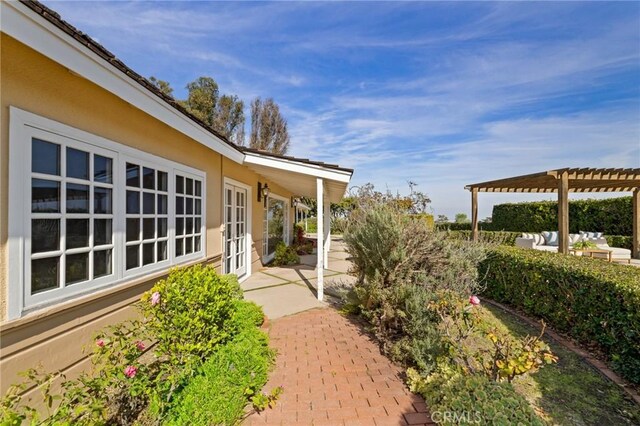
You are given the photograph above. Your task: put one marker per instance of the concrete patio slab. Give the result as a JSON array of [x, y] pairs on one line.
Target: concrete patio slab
[[284, 300], [296, 273], [261, 280]]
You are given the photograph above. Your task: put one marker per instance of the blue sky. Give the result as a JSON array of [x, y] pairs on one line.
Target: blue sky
[[440, 93]]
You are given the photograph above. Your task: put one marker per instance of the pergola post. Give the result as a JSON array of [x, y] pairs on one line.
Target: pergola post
[[563, 213], [474, 214], [320, 236], [327, 232], [636, 223]]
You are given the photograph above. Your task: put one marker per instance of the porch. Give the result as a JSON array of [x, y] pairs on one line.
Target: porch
[[287, 290]]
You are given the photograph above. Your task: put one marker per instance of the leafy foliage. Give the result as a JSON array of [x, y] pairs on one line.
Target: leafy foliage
[[193, 312], [269, 130], [612, 216], [285, 255], [596, 302], [189, 317], [472, 400], [234, 374], [488, 237]]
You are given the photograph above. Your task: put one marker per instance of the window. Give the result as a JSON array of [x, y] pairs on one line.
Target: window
[[188, 215], [147, 215], [275, 225], [71, 216], [88, 213]]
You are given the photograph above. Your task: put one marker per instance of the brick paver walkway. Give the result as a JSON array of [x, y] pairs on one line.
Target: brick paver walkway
[[334, 374]]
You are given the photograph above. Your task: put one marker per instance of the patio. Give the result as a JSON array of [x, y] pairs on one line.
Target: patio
[[283, 291]]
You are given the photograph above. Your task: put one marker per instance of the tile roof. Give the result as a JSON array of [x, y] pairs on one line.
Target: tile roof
[[82, 38]]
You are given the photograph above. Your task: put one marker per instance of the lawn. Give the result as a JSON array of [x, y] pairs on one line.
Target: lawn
[[570, 392]]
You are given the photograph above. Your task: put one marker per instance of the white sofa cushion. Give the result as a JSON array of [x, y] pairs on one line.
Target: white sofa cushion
[[550, 238]]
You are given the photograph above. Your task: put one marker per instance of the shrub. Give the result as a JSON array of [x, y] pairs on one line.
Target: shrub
[[488, 237], [285, 255], [456, 399], [228, 379], [191, 313], [612, 216], [596, 302], [620, 241]]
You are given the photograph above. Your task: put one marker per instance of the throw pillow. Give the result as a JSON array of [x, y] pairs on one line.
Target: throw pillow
[[553, 238]]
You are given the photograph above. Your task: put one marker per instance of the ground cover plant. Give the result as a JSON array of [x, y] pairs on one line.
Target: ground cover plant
[[191, 325]]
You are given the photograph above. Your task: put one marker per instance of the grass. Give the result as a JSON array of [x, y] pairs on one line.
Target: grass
[[571, 392], [228, 379]]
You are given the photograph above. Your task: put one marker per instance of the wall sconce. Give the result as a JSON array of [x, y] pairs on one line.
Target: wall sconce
[[263, 193]]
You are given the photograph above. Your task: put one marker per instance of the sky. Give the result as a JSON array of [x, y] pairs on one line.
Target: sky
[[442, 94]]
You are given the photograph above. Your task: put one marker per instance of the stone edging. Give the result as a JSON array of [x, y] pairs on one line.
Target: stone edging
[[584, 355]]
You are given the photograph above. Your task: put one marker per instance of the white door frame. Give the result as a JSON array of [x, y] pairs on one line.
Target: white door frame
[[249, 222]]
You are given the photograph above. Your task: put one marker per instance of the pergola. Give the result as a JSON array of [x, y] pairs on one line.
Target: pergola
[[564, 181]]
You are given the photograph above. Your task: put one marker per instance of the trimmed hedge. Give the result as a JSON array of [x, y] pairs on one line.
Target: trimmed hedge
[[596, 302], [620, 241], [503, 238], [612, 216]]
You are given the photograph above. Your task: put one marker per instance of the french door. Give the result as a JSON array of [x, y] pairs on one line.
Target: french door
[[235, 230]]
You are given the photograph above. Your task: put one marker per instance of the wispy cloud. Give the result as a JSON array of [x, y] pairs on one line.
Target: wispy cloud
[[443, 94]]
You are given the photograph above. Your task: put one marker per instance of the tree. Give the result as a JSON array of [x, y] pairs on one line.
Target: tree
[[442, 219], [225, 113], [164, 86], [462, 218], [268, 127]]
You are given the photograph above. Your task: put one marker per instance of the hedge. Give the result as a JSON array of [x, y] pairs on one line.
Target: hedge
[[596, 302], [612, 216], [620, 241], [504, 238]]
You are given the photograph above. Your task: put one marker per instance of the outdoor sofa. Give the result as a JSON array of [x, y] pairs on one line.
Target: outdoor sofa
[[548, 241]]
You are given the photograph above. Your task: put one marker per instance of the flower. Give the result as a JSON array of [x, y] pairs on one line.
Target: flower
[[140, 345], [474, 300], [100, 343], [130, 371], [155, 298]]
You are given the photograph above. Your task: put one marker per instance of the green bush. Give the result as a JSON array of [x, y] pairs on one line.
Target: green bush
[[612, 216], [596, 302], [285, 255], [455, 399], [427, 218], [490, 237], [191, 315], [229, 378], [620, 241]]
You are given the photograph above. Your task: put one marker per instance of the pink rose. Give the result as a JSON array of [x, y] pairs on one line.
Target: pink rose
[[474, 300], [155, 298], [140, 345], [130, 371], [100, 343]]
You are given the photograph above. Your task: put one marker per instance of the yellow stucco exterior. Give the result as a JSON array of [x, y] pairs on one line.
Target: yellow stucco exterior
[[32, 82]]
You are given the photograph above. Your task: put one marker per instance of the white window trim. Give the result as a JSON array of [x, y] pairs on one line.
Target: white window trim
[[287, 225], [22, 125], [249, 212]]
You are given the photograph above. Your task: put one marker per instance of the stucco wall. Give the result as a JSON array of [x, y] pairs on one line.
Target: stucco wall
[[36, 84]]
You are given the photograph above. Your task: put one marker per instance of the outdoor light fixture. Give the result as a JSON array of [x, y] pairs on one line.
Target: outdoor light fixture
[[294, 202], [263, 193]]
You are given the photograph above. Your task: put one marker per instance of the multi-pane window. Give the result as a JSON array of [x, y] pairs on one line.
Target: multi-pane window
[[188, 215], [94, 213], [147, 215], [71, 215]]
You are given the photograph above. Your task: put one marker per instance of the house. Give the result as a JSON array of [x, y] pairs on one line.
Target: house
[[105, 184]]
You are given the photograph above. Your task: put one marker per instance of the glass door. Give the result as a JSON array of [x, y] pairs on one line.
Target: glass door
[[235, 230]]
